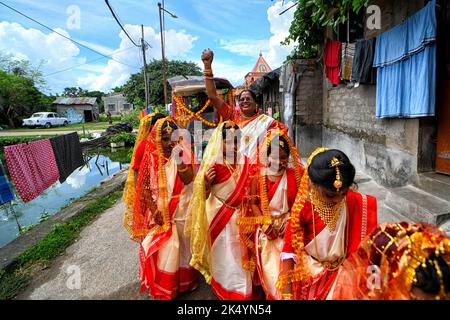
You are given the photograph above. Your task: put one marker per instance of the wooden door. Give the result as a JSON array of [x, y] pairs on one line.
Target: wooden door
[[443, 139]]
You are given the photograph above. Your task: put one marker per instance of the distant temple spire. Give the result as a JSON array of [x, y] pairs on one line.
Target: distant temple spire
[[261, 67]]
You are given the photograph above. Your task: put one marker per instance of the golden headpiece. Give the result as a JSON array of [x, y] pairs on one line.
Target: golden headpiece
[[335, 163]]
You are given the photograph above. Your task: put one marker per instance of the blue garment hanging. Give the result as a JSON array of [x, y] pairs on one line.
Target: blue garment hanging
[[6, 194], [406, 60]]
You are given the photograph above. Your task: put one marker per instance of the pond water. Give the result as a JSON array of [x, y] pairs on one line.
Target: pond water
[[99, 166]]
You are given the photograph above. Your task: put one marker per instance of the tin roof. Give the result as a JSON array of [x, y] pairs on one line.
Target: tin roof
[[75, 101]]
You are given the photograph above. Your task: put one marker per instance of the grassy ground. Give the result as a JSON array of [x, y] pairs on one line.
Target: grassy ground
[[17, 276], [70, 127]]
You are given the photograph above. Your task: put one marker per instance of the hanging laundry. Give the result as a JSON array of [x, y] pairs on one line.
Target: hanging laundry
[[405, 57], [332, 60], [362, 70], [32, 167], [348, 54], [68, 154], [6, 194]]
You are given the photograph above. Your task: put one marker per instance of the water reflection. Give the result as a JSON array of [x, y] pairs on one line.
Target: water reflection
[[99, 166]]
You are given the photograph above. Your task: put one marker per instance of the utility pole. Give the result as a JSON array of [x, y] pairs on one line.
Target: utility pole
[[161, 18], [145, 68], [162, 55]]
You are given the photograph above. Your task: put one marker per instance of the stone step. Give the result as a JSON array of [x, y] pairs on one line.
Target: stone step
[[435, 183], [387, 214], [418, 205]]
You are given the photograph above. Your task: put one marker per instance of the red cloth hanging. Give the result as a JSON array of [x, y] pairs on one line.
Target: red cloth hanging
[[332, 60]]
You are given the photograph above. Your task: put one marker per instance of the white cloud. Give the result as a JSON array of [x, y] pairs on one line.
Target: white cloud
[[279, 27], [35, 46], [245, 47], [273, 51], [228, 69], [59, 54], [178, 44]]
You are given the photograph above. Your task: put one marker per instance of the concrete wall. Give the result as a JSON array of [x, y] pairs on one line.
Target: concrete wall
[[386, 149], [308, 107], [392, 151]]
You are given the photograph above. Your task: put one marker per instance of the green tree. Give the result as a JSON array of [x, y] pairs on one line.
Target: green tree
[[134, 89], [19, 98], [310, 19]]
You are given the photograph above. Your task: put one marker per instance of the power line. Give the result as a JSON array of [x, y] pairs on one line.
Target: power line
[[117, 20], [81, 64], [76, 42]]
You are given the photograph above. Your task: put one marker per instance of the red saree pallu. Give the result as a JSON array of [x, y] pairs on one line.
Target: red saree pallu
[[164, 285], [224, 214], [229, 280]]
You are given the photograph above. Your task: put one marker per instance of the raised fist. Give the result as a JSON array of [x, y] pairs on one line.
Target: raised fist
[[207, 57]]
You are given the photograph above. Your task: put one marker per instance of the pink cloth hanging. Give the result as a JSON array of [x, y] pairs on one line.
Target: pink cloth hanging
[[32, 167]]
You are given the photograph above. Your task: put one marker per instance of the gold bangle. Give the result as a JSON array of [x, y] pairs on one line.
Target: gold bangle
[[287, 296], [183, 170], [210, 78]]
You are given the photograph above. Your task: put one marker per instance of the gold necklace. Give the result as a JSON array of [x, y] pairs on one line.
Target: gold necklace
[[328, 212], [232, 171], [331, 265]]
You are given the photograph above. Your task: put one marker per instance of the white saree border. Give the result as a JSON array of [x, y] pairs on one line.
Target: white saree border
[[226, 252], [268, 251]]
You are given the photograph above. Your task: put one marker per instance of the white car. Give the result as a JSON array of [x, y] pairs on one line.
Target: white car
[[45, 119]]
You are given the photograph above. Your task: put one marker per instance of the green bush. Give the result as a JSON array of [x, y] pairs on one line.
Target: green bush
[[132, 117], [127, 137]]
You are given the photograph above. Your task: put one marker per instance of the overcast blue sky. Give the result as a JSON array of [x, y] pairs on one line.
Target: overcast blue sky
[[236, 30]]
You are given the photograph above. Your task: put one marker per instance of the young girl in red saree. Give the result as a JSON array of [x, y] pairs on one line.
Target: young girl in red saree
[[163, 193], [219, 190], [327, 223], [272, 194]]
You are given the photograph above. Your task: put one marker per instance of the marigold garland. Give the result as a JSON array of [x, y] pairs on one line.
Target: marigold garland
[[191, 116]]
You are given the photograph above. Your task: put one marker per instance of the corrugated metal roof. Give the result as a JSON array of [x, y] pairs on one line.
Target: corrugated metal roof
[[80, 100]]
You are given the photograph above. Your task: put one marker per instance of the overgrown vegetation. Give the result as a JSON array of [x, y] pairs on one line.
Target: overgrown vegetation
[[127, 137], [310, 19], [16, 276]]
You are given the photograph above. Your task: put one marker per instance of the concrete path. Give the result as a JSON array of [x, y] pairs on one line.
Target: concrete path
[[107, 262]]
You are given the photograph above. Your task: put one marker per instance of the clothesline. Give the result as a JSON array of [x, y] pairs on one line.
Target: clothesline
[[35, 166]]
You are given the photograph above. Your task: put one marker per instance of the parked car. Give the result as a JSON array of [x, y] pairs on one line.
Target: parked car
[[45, 119]]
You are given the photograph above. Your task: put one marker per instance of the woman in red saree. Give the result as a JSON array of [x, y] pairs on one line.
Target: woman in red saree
[[272, 194], [251, 121], [163, 193], [219, 190], [327, 223], [398, 261]]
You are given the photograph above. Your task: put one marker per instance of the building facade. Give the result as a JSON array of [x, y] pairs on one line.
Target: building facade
[[116, 103]]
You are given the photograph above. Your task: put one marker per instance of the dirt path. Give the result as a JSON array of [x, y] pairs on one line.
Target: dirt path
[[107, 262]]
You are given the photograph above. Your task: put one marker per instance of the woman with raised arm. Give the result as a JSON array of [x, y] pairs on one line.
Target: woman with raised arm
[[252, 122], [327, 223]]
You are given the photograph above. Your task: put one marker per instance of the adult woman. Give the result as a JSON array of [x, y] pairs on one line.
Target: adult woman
[[253, 124], [272, 195], [163, 193], [398, 261], [328, 221], [129, 194], [219, 190]]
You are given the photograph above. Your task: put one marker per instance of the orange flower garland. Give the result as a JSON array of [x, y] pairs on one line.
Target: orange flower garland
[[191, 116]]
